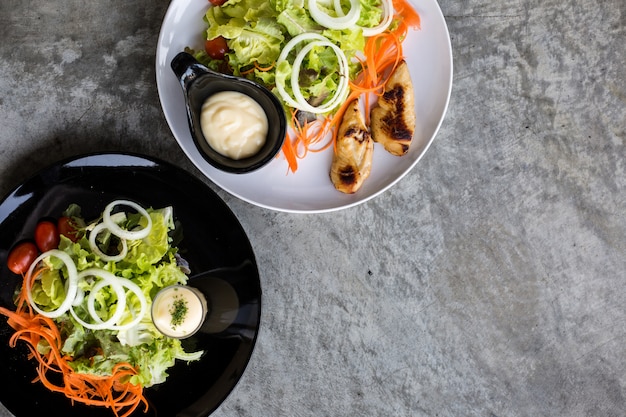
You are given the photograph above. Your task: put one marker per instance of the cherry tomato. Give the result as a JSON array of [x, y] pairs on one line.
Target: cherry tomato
[[217, 2], [21, 256], [216, 48], [67, 229], [46, 235]]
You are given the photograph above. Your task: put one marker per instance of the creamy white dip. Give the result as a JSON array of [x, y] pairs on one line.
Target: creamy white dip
[[178, 311], [234, 124]]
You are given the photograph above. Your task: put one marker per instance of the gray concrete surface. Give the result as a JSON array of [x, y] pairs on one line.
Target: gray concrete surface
[[489, 282]]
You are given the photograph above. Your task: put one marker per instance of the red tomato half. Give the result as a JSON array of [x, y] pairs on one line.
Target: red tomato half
[[46, 236], [216, 48], [21, 256], [217, 2], [67, 229]]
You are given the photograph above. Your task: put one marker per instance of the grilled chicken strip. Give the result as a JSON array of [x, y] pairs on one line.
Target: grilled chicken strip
[[352, 160], [393, 119]]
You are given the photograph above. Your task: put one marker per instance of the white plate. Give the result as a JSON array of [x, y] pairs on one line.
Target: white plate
[[429, 56]]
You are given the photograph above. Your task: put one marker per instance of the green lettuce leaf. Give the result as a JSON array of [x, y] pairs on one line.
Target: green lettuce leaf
[[259, 42], [297, 21], [49, 291], [371, 13]]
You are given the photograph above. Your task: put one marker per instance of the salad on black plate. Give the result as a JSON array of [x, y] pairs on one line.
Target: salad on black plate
[[83, 307]]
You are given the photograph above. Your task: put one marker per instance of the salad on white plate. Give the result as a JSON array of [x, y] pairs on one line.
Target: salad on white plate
[[315, 55], [314, 99]]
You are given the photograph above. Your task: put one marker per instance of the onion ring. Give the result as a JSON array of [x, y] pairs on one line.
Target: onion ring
[[72, 283], [94, 246], [122, 233]]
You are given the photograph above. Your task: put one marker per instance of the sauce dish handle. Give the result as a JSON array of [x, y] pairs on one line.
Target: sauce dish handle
[[187, 68]]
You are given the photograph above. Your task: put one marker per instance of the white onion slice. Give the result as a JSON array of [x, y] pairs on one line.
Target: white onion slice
[[107, 279], [118, 284], [94, 246], [300, 102], [384, 22], [119, 308], [122, 233], [71, 283], [283, 57], [340, 22], [342, 87], [338, 8], [80, 293], [306, 36], [142, 300], [80, 296]]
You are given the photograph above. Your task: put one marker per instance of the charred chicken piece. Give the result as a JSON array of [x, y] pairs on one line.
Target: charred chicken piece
[[393, 119], [352, 160]]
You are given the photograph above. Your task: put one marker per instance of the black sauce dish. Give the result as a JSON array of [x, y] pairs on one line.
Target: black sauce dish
[[198, 83]]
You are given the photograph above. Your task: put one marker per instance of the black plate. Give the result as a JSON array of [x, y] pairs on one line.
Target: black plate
[[213, 240]]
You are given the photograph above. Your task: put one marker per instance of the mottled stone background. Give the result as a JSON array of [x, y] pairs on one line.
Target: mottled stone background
[[488, 282]]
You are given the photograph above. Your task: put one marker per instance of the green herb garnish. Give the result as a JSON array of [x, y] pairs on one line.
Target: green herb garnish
[[178, 311]]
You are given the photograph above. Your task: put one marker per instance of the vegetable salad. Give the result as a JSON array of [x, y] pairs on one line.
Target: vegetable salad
[[84, 306], [312, 54]]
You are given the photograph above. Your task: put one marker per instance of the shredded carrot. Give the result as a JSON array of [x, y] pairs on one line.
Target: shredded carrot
[[248, 71], [310, 137], [257, 67], [113, 391], [383, 53], [404, 9], [290, 154], [264, 69]]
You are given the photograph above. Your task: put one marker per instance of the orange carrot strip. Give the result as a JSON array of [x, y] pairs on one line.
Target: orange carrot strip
[[290, 154], [404, 9], [309, 136], [248, 71], [264, 69], [257, 67]]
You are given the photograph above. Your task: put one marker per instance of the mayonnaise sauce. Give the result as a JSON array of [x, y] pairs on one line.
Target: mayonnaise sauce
[[234, 124], [178, 311]]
